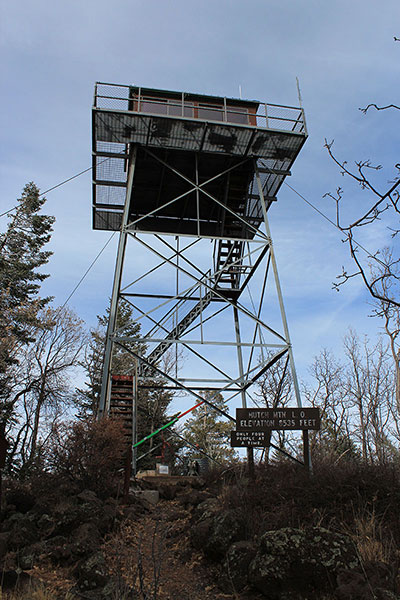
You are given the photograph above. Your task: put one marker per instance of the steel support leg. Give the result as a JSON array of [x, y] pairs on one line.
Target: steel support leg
[[250, 454], [278, 288], [306, 446], [112, 321]]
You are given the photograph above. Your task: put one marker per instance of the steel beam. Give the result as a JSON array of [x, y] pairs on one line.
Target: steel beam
[[105, 382]]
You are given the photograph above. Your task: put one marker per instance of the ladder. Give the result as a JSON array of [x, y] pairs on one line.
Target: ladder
[[121, 403]]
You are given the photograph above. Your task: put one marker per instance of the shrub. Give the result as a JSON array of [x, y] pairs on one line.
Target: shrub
[[338, 496], [90, 454]]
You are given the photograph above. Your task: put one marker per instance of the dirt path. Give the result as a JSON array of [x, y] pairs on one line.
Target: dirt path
[[155, 556]]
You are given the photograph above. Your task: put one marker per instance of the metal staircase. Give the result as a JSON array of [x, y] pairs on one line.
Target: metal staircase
[[226, 281], [121, 403], [176, 332], [228, 264]]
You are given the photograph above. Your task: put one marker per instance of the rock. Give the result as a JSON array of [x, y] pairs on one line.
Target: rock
[[82, 542], [206, 509], [374, 580], [197, 483], [85, 540], [89, 497], [91, 573], [13, 579], [58, 550], [149, 496], [114, 588], [215, 534], [71, 514], [27, 559], [22, 530], [167, 492], [193, 498], [22, 499], [67, 516], [46, 525], [3, 544], [296, 561], [234, 576], [132, 513], [200, 533], [107, 517]]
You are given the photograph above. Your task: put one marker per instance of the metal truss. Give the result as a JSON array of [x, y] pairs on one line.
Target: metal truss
[[214, 303]]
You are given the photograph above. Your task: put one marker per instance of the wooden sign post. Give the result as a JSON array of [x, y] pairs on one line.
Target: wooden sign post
[[254, 426]]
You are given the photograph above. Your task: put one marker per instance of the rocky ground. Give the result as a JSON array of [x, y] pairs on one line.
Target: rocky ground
[[193, 544]]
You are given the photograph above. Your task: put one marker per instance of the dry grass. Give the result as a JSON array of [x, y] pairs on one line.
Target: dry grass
[[373, 543], [37, 591]]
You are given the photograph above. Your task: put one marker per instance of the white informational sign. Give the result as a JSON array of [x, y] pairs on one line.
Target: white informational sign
[[163, 469]]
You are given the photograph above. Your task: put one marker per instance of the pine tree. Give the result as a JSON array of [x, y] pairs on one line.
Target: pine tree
[[21, 256], [123, 362], [153, 401], [207, 430]]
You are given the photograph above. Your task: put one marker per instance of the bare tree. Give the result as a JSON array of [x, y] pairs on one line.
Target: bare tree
[[275, 390], [41, 382], [357, 401], [390, 314], [381, 204], [329, 395]]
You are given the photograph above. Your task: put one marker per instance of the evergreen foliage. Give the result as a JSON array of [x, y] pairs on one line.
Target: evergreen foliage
[[208, 431], [153, 400], [122, 361], [21, 257]]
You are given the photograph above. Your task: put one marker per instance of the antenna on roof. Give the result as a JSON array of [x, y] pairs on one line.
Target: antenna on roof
[[240, 91], [299, 92]]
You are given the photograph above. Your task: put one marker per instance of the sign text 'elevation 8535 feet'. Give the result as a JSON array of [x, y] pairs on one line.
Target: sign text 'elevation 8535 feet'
[[263, 419]]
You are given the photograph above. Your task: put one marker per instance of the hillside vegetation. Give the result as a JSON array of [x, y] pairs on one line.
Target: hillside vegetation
[[283, 535]]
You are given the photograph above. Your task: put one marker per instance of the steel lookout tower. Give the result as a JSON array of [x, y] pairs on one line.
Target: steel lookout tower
[[188, 180]]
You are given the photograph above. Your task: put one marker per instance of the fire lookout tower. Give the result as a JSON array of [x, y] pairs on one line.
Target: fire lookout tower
[[188, 180]]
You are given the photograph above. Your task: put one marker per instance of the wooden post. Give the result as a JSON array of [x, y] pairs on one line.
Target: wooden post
[[3, 455], [306, 451], [127, 473], [250, 462]]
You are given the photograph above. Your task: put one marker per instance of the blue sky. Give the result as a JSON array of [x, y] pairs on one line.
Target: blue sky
[[343, 54]]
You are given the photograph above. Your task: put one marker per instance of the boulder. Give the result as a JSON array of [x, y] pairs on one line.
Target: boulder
[[85, 540], [28, 557], [167, 492], [46, 525], [206, 509], [147, 497], [91, 573], [297, 563], [22, 530], [107, 518], [234, 574], [372, 580], [193, 498], [89, 497], [197, 483], [58, 550], [200, 533], [4, 537], [215, 534], [69, 515], [23, 500], [113, 589]]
